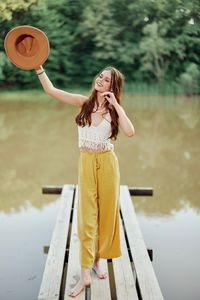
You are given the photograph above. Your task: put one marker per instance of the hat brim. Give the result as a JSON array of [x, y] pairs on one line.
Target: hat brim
[[26, 60]]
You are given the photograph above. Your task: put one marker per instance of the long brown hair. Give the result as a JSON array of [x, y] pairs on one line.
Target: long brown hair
[[84, 117]]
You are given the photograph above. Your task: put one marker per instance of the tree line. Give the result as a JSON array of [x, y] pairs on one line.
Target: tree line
[[148, 40]]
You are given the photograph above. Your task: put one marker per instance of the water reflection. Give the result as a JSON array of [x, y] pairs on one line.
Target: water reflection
[[39, 146], [164, 154], [175, 241], [23, 235]]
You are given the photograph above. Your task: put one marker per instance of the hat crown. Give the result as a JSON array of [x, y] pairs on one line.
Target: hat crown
[[27, 45]]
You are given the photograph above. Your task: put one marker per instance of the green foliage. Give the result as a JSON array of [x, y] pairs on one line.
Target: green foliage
[[8, 7], [190, 79], [3, 60], [149, 41], [155, 51]]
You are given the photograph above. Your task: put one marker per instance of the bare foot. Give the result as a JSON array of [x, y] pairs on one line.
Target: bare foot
[[85, 280], [96, 267]]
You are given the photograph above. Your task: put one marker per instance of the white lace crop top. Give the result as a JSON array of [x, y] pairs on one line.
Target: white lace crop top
[[96, 138]]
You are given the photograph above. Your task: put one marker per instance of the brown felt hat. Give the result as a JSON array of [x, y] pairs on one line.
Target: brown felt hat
[[27, 47]]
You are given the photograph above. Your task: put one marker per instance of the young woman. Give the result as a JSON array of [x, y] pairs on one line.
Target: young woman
[[98, 120]]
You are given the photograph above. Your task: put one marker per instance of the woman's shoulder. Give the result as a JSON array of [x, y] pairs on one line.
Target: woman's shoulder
[[82, 99]]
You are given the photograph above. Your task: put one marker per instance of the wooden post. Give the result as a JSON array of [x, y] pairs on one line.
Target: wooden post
[[141, 191], [134, 191]]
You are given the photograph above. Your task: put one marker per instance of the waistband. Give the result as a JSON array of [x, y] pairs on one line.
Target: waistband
[[82, 150]]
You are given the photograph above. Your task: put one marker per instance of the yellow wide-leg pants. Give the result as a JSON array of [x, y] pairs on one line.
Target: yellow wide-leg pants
[[98, 206]]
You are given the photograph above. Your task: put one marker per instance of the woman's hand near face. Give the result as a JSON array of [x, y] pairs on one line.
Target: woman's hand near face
[[110, 97]]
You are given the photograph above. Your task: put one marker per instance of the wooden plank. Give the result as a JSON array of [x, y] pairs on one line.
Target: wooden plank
[[73, 269], [100, 288], [124, 279], [51, 281], [148, 284]]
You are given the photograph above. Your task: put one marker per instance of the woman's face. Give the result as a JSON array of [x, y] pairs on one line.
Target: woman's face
[[103, 81]]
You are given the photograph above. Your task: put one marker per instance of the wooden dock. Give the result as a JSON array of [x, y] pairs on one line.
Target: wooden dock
[[131, 276]]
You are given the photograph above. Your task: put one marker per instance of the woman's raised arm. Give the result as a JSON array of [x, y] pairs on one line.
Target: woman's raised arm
[[69, 98]]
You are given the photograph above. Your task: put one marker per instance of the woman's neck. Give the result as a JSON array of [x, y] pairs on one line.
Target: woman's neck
[[100, 99]]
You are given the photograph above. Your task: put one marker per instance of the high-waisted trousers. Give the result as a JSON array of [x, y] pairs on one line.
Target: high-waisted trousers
[[98, 206]]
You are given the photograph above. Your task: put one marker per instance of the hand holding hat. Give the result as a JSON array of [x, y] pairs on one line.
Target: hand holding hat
[[27, 47]]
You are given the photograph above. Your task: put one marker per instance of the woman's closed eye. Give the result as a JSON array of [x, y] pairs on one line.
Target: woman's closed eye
[[106, 79]]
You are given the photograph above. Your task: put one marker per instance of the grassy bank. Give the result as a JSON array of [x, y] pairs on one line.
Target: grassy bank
[[161, 89], [139, 88], [131, 98]]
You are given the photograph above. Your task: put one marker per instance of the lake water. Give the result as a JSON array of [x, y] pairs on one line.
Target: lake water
[[38, 146]]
